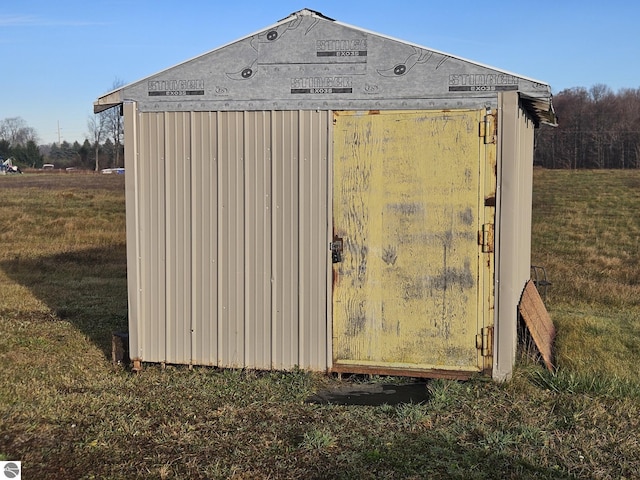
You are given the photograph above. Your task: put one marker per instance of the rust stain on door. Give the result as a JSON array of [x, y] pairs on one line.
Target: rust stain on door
[[408, 203]]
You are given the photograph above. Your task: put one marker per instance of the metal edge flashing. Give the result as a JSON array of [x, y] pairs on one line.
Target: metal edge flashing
[[503, 339], [328, 240], [133, 238]]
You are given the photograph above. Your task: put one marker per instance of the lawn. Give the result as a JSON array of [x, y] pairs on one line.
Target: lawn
[[67, 412]]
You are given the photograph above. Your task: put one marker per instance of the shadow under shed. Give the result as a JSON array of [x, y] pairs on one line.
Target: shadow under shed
[[373, 394]]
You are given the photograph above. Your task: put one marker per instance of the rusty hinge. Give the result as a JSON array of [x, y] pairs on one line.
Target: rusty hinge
[[484, 341], [486, 239], [488, 128]]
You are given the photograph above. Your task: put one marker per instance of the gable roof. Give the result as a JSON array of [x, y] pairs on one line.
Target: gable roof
[[310, 61]]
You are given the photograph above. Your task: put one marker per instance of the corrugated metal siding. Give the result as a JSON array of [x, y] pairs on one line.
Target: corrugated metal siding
[[513, 226], [231, 240], [231, 233], [257, 228], [178, 236], [132, 220], [313, 237], [285, 246], [151, 215], [204, 238]]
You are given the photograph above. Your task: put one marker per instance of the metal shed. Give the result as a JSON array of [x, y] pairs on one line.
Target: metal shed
[[319, 196]]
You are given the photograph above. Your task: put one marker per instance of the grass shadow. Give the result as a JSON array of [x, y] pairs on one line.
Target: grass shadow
[[85, 287]]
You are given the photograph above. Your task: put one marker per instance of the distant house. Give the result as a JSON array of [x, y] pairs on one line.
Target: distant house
[[319, 196]]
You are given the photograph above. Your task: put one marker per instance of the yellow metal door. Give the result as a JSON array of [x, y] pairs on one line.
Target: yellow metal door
[[409, 293]]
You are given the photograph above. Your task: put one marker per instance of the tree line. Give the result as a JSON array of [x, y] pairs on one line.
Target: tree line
[[102, 147], [18, 142], [597, 128]]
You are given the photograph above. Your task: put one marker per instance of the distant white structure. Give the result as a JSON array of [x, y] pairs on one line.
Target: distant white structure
[[109, 171]]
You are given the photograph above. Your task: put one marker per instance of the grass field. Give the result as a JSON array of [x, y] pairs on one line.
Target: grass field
[[66, 412]]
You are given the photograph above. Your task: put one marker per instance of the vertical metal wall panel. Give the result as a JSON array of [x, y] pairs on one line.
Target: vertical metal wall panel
[[151, 234], [231, 239], [178, 235], [285, 245], [132, 223], [232, 234], [257, 236], [513, 226], [204, 208], [313, 238], [526, 133]]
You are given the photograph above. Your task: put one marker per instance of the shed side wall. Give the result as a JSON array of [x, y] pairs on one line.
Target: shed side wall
[[513, 226]]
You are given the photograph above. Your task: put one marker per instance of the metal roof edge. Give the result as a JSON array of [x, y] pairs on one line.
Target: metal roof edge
[[463, 59], [108, 100], [541, 108]]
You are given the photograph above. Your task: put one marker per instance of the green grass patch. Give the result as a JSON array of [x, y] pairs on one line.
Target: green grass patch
[[66, 412]]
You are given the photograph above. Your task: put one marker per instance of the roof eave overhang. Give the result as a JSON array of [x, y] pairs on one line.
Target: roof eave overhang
[[541, 108], [107, 101]]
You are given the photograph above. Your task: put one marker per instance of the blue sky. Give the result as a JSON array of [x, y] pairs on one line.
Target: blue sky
[[57, 57]]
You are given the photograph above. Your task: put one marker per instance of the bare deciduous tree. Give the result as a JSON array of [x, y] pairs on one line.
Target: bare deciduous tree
[[16, 131], [97, 132], [113, 121], [597, 129]]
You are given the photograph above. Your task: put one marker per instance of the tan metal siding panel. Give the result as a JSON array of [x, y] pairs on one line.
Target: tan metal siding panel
[[204, 204], [132, 219], [231, 240], [233, 230], [151, 230], [313, 238], [257, 240], [178, 235], [284, 253], [300, 150], [525, 134]]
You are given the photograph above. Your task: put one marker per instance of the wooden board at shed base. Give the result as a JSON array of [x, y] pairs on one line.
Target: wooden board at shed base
[[538, 322]]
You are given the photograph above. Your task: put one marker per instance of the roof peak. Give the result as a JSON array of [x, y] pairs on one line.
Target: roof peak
[[307, 12]]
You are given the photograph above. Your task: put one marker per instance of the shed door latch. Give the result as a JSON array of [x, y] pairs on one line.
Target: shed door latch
[[336, 250]]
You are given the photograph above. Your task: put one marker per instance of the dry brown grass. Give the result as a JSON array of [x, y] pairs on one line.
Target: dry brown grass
[[65, 412]]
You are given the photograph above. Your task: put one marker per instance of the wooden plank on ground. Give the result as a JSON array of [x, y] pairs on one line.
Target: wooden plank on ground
[[538, 322]]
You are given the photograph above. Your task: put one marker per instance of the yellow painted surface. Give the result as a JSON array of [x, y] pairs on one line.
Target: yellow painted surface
[[408, 202]]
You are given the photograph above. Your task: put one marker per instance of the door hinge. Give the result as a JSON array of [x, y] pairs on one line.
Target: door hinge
[[488, 128], [486, 239], [484, 341]]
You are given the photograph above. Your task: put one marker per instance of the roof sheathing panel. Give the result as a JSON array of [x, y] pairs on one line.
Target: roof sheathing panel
[[308, 62]]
